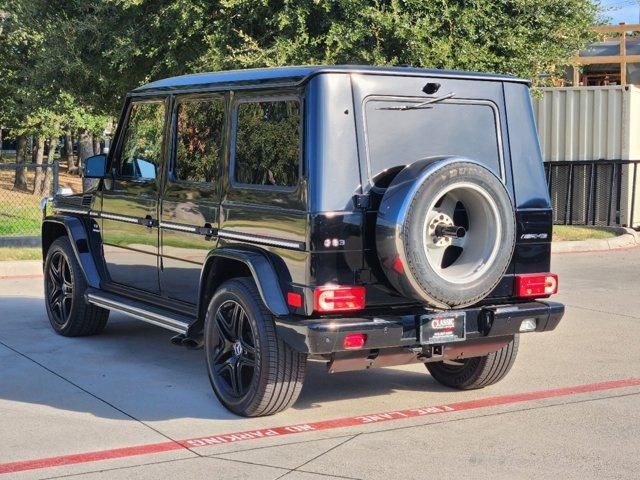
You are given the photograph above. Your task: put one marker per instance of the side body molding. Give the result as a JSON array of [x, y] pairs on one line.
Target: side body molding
[[262, 271], [55, 226]]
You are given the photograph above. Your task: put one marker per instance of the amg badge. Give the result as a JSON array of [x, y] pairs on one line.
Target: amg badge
[[534, 236]]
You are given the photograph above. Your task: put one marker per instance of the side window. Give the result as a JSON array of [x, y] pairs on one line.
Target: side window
[[199, 139], [268, 143], [141, 151]]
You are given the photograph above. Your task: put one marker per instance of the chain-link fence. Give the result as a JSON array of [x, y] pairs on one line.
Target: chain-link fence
[[22, 187], [600, 193]]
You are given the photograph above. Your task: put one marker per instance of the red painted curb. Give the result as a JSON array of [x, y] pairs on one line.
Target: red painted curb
[[309, 427], [17, 277]]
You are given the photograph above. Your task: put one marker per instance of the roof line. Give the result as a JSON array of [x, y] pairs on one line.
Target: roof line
[[293, 76]]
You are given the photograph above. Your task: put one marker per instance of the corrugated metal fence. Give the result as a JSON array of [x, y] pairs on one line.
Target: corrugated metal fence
[[589, 123]]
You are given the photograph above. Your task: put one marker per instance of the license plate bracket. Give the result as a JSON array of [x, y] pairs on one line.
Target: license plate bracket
[[443, 327]]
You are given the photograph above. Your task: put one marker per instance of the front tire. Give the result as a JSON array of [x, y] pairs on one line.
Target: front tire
[[476, 372], [252, 371], [64, 286]]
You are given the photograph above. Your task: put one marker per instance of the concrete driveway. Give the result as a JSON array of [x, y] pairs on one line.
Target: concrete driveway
[[128, 404]]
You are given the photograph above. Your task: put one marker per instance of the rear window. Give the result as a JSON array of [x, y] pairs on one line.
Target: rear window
[[452, 127]]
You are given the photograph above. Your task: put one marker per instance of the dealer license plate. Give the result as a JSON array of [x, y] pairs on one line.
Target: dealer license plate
[[442, 327]]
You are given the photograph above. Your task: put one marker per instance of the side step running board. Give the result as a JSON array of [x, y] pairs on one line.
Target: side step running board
[[140, 310]]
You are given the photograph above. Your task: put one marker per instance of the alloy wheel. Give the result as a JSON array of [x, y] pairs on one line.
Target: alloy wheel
[[59, 288], [234, 357]]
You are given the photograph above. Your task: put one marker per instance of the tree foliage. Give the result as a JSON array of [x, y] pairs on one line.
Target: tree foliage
[[68, 62]]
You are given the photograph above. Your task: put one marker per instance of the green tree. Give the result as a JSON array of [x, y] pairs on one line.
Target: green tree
[[522, 37], [44, 74], [17, 50]]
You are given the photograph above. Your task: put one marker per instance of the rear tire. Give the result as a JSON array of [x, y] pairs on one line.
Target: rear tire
[[477, 372], [252, 371], [64, 285]]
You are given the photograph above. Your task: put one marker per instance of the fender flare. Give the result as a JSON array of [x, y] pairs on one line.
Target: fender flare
[[262, 270], [79, 239]]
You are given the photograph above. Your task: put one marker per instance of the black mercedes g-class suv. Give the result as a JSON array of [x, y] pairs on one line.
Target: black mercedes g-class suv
[[360, 216]]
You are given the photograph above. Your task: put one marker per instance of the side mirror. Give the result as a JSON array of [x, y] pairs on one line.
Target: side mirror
[[95, 167]]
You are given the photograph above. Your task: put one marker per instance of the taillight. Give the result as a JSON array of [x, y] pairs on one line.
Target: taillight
[[334, 298], [354, 341], [536, 285], [294, 299]]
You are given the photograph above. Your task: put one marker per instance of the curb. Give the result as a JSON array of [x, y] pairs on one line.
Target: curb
[[34, 241], [627, 238]]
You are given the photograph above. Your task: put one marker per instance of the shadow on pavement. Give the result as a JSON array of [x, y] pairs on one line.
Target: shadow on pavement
[[135, 368]]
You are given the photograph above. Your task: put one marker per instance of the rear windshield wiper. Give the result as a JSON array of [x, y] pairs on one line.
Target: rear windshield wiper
[[424, 104]]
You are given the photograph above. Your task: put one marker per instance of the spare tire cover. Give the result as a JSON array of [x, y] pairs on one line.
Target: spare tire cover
[[445, 231]]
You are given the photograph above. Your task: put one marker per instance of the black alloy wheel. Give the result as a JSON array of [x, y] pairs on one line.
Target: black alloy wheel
[[234, 358], [252, 371], [59, 288], [64, 284]]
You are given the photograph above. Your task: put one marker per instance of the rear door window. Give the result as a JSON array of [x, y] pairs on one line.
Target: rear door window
[[452, 127], [200, 123]]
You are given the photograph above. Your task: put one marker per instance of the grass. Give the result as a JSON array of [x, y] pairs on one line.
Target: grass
[[19, 209], [9, 253], [19, 219], [573, 233]]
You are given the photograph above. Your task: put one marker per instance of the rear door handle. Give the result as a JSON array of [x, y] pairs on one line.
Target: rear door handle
[[148, 221], [208, 231]]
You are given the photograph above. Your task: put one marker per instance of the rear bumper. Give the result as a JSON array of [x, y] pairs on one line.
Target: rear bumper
[[321, 336]]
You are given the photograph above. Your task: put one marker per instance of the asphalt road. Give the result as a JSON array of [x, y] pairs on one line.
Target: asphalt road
[[123, 404]]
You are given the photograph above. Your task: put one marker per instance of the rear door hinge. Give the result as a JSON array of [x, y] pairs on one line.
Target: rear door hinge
[[361, 201]]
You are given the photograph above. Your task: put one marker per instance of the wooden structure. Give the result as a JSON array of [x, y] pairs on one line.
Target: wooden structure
[[623, 32]]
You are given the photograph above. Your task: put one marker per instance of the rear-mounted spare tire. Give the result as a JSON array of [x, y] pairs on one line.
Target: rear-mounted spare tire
[[445, 232]]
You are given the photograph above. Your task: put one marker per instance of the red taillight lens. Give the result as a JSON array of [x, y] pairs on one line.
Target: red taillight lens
[[294, 299], [536, 285], [338, 299], [354, 341]]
